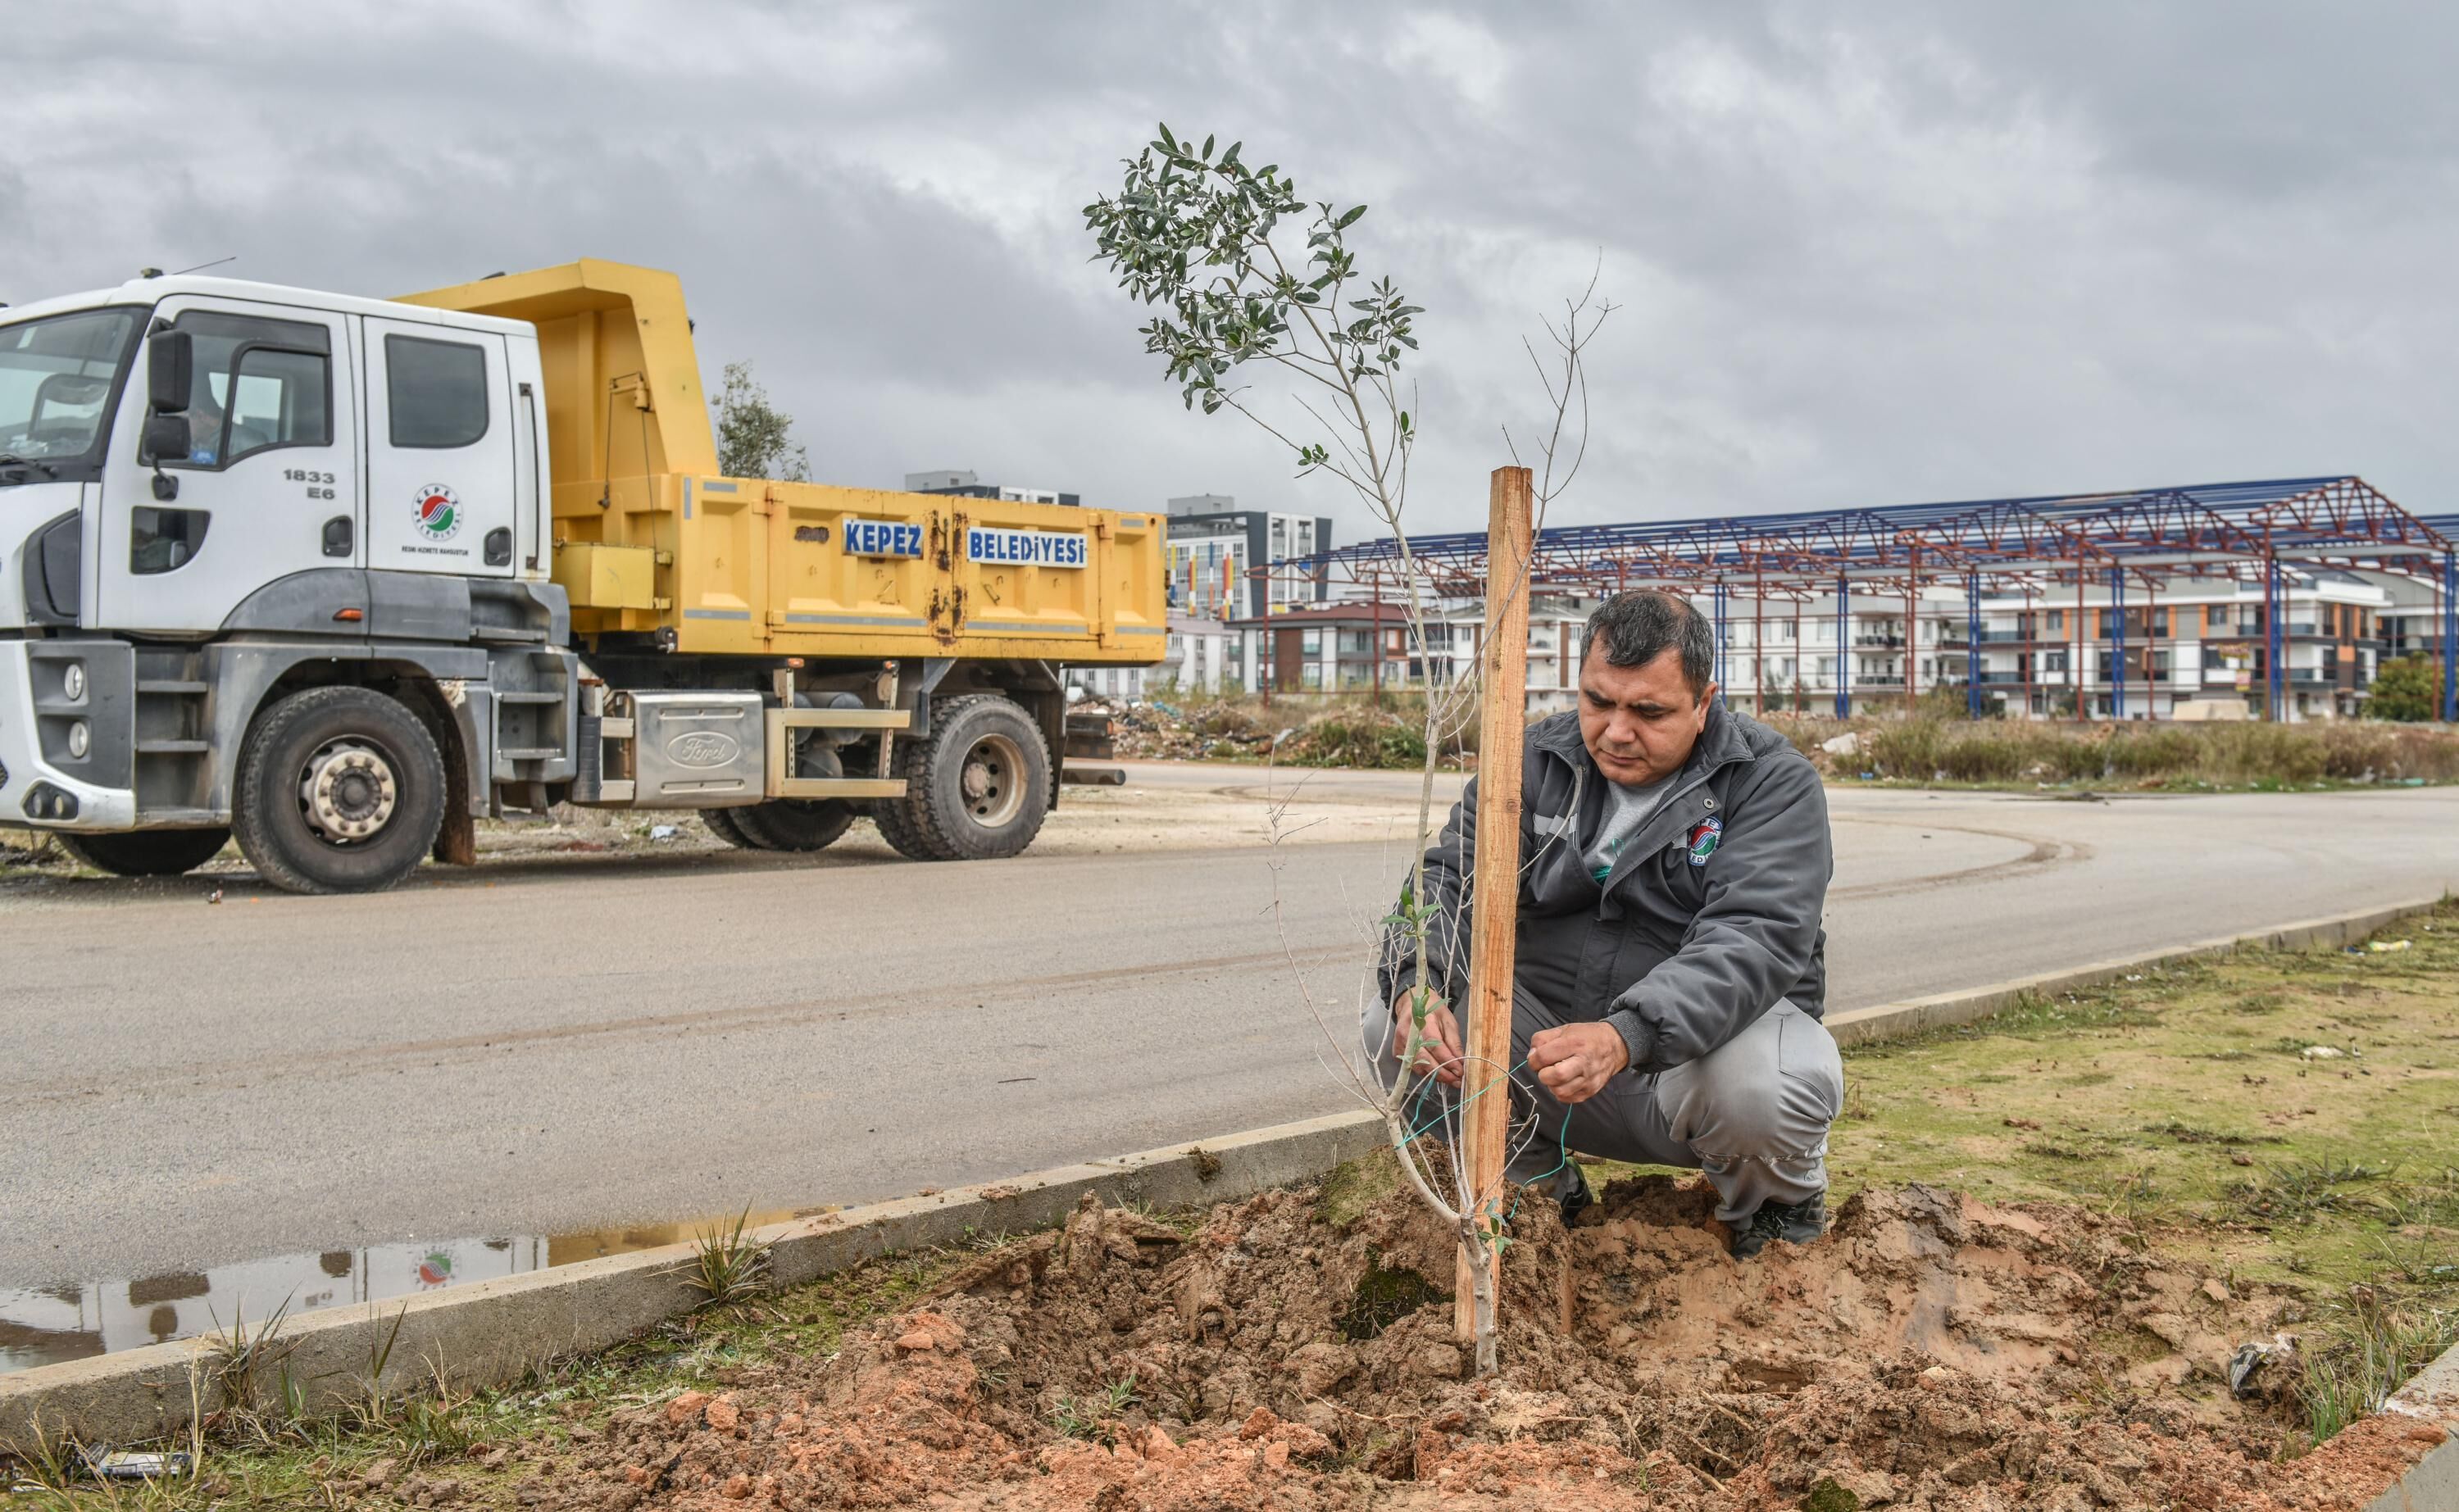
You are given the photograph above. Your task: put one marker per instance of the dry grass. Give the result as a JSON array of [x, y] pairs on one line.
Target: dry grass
[[1928, 748]]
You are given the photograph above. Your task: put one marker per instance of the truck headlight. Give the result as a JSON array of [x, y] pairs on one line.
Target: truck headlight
[[73, 682], [78, 737]]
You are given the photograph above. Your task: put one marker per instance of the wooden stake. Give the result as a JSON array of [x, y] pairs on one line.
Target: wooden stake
[[1495, 898]]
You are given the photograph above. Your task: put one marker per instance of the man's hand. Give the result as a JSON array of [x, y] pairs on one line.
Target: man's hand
[[1440, 1055], [1577, 1060]]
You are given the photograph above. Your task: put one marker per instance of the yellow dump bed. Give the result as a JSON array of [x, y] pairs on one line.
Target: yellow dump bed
[[648, 536]]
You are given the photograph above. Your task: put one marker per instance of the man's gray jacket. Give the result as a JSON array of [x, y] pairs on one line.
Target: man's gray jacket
[[1710, 916]]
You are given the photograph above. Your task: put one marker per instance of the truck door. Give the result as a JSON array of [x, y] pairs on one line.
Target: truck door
[[269, 487], [441, 485]]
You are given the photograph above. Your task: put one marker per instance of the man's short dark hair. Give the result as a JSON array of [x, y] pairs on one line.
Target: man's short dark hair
[[1635, 628]]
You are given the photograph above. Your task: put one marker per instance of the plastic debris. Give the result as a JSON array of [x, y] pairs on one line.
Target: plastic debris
[[2385, 947], [129, 1464], [2320, 1053], [2250, 1357], [663, 832]]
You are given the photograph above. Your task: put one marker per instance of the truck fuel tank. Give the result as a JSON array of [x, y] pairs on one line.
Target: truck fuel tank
[[697, 750]]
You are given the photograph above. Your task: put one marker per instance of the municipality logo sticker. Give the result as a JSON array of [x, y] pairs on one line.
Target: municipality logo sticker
[[440, 512], [1704, 840]]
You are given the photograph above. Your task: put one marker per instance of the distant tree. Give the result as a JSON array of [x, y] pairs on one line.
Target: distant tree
[[2406, 688], [755, 439]]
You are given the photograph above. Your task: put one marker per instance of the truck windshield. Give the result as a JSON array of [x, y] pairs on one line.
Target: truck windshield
[[56, 377]]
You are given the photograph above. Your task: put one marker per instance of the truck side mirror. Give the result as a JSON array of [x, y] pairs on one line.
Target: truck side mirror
[[167, 437], [170, 361]]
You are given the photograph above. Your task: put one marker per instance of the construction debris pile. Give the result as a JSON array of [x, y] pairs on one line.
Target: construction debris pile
[[1931, 1352]]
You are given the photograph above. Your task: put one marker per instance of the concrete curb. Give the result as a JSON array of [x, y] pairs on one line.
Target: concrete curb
[[1941, 1010], [495, 1330], [492, 1332], [2432, 1483]]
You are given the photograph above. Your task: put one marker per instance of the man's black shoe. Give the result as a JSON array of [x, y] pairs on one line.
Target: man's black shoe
[[1795, 1223], [1579, 1199]]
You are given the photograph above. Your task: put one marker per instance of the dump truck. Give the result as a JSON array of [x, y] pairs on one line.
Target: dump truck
[[342, 576]]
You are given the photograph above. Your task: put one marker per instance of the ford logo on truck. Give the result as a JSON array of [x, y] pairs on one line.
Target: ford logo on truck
[[702, 748]]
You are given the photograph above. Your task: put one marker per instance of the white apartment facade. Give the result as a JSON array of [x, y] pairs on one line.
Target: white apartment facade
[[2194, 649]]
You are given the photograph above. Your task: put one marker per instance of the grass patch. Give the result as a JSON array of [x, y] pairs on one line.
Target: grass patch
[[1929, 750], [1355, 1186], [2376, 1341], [726, 1265], [2183, 1106], [2261, 1153]]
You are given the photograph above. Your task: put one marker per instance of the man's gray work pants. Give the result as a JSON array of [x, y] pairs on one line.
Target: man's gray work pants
[[1752, 1114]]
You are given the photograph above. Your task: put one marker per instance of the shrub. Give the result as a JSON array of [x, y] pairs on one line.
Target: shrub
[[2406, 688]]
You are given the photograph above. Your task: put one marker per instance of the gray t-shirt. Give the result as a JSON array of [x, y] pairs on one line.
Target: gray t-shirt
[[1627, 808]]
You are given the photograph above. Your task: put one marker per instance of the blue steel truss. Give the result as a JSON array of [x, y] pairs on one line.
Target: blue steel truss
[[2163, 531], [2244, 531]]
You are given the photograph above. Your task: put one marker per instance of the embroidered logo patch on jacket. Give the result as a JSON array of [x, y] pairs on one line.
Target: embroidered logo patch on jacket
[[1704, 839]]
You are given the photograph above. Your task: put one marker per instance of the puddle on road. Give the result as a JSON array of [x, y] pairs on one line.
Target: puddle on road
[[78, 1320]]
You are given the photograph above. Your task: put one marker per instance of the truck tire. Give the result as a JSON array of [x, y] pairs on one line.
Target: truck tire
[[793, 823], [721, 824], [977, 787], [339, 790], [147, 853]]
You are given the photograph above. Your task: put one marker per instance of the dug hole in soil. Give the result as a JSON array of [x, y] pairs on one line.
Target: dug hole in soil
[[1930, 1352]]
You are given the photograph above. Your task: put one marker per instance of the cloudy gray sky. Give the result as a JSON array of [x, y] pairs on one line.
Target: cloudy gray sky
[[1865, 254]]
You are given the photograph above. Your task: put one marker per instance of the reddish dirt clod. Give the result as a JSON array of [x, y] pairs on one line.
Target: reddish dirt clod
[[686, 1407]]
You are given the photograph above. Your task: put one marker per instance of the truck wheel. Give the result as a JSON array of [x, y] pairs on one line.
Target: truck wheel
[[721, 824], [977, 787], [793, 823], [147, 853], [339, 790]]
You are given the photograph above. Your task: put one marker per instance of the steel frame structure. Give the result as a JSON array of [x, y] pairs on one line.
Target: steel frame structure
[[2254, 532]]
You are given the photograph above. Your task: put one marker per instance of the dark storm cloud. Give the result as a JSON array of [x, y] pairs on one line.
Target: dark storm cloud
[[1937, 250]]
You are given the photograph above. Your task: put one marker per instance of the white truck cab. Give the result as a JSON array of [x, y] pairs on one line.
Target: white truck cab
[[207, 486]]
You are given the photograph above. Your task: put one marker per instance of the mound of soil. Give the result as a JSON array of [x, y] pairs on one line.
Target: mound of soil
[[1930, 1352]]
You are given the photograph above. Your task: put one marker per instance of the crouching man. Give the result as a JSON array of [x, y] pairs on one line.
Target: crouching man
[[1674, 863]]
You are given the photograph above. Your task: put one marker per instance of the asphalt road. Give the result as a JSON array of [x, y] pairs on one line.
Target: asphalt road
[[536, 1047]]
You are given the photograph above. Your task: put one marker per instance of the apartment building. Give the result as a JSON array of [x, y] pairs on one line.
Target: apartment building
[[1220, 557], [2194, 649]]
